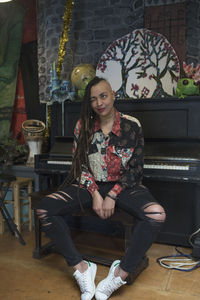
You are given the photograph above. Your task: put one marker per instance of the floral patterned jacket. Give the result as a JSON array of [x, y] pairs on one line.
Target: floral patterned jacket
[[117, 157]]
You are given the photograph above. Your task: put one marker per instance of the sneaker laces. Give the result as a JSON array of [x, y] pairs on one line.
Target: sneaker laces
[[83, 282], [112, 285]]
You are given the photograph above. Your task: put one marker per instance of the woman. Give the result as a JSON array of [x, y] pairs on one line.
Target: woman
[[106, 172]]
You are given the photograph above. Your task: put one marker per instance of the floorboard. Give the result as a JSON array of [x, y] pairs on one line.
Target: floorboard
[[25, 278]]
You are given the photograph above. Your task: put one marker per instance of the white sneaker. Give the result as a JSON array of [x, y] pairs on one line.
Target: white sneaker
[[110, 284], [85, 281]]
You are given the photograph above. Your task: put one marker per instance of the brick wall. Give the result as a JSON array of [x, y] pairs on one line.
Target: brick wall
[[193, 31], [95, 24]]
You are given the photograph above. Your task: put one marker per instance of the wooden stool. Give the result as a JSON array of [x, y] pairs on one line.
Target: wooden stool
[[17, 187], [1, 219]]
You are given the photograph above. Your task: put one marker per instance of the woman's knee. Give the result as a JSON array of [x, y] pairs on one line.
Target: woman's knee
[[43, 217], [155, 212], [42, 209]]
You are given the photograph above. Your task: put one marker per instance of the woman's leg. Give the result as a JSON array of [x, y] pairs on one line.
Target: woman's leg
[[52, 211], [151, 216]]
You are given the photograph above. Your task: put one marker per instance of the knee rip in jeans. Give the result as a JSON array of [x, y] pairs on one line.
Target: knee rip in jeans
[[154, 212], [58, 195], [42, 215]]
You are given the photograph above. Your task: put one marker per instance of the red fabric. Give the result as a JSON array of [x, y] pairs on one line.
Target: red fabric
[[19, 111], [29, 34], [29, 28]]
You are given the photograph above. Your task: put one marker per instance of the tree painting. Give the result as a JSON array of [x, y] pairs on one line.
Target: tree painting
[[141, 64]]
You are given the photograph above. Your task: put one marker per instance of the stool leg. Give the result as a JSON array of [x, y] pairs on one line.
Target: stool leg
[[1, 224], [38, 237], [16, 198], [1, 220], [29, 205], [6, 215]]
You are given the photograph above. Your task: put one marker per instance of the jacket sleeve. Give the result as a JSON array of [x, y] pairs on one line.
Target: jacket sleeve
[[133, 174]]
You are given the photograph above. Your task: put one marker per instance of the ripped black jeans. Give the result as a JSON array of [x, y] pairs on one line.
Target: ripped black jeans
[[138, 202]]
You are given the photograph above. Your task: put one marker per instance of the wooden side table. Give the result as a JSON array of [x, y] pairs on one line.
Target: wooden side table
[[17, 186], [5, 184]]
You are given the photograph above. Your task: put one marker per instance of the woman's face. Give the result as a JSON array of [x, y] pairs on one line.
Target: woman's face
[[102, 99]]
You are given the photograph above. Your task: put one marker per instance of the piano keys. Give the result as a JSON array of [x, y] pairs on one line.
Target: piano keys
[[48, 163], [177, 159], [174, 159], [58, 160], [164, 163], [172, 169]]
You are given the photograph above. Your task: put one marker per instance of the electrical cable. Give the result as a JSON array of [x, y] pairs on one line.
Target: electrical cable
[[181, 261], [192, 235]]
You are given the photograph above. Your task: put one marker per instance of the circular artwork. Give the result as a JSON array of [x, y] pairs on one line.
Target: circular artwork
[[141, 64]]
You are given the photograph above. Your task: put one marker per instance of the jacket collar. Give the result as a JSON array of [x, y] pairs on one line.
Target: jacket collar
[[116, 124]]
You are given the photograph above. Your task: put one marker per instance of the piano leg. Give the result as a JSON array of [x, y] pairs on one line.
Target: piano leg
[[36, 251], [196, 241]]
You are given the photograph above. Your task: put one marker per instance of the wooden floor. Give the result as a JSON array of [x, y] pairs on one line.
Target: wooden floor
[[25, 278]]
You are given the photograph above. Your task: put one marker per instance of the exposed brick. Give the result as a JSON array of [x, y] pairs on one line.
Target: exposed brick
[[93, 46], [192, 50], [49, 33], [102, 34], [97, 23], [119, 32], [81, 48], [97, 3], [138, 4], [86, 35], [55, 41], [112, 21], [87, 59], [80, 25], [114, 2], [94, 23], [83, 14], [107, 11]]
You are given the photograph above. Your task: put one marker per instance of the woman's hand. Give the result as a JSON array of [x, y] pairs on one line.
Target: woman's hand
[[98, 204], [108, 207]]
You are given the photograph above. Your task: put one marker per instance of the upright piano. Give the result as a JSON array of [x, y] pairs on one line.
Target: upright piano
[[171, 128]]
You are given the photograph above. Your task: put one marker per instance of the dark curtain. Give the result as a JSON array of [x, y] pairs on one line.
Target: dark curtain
[[29, 69]]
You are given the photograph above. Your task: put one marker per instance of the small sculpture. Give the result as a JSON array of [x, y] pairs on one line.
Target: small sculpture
[[33, 134], [189, 85], [60, 89], [81, 76]]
